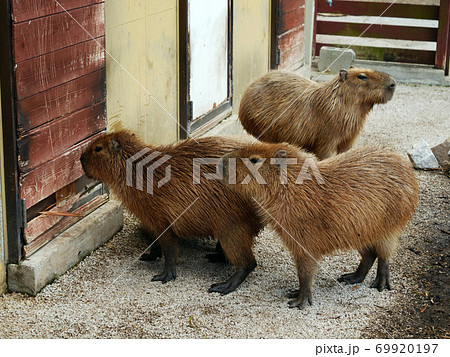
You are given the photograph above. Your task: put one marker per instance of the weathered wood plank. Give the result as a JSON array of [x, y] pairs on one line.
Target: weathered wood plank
[[290, 5], [388, 54], [23, 10], [377, 31], [51, 33], [376, 9], [443, 35], [41, 73], [53, 175], [292, 20], [42, 223], [63, 224], [47, 141], [291, 47], [61, 100]]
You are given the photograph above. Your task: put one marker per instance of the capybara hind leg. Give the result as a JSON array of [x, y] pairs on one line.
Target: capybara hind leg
[[169, 247], [218, 256], [306, 268], [238, 250], [382, 280], [368, 256]]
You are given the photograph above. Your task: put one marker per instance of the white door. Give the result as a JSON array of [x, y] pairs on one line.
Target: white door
[[208, 44]]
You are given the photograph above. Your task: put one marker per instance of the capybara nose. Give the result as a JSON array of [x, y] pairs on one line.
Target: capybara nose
[[82, 159], [392, 85]]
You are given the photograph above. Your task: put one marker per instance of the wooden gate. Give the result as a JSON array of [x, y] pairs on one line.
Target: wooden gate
[[58, 98], [408, 31]]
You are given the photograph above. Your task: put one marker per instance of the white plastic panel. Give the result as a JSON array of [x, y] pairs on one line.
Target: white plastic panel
[[208, 29]]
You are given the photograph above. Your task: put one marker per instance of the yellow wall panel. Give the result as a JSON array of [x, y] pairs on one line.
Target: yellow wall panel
[[141, 36], [251, 44]]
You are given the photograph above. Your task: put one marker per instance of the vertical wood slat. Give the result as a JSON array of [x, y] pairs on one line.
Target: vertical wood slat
[[55, 102], [49, 140], [443, 35], [55, 68], [23, 10], [53, 175], [46, 34]]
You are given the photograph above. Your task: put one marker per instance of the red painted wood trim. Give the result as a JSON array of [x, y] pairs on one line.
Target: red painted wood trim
[[58, 101], [377, 31], [376, 9], [46, 34], [55, 68], [23, 10], [53, 175], [443, 34], [47, 141]]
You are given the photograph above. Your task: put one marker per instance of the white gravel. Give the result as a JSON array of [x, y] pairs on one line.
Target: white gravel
[[110, 294]]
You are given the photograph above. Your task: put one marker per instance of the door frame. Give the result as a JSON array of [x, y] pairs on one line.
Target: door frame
[[14, 222], [186, 125]]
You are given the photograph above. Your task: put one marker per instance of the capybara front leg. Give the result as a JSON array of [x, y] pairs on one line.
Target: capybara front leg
[[218, 256], [382, 280], [169, 247], [368, 256], [155, 253], [231, 284], [306, 268], [237, 247]]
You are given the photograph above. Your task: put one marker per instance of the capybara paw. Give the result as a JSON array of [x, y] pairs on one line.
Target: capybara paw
[[300, 302], [222, 288], [293, 294], [165, 276], [381, 283], [216, 258], [351, 278]]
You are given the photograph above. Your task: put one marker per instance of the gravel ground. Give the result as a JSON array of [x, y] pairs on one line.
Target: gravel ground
[[109, 294]]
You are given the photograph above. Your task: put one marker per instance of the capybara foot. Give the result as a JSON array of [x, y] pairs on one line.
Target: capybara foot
[[167, 275], [351, 278], [382, 282], [293, 294], [231, 284], [301, 301], [155, 253]]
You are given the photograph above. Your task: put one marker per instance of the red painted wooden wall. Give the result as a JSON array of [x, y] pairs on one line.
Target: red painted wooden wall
[[60, 99], [290, 32]]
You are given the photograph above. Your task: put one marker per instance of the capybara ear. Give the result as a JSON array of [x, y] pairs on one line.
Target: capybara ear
[[115, 145], [280, 154], [343, 74]]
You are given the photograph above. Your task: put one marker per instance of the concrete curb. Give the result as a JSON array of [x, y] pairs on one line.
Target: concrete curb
[[66, 250]]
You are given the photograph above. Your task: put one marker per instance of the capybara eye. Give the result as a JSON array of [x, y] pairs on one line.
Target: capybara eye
[[98, 148], [255, 160], [362, 77]]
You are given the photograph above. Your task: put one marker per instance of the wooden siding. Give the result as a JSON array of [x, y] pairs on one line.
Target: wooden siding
[[61, 103]]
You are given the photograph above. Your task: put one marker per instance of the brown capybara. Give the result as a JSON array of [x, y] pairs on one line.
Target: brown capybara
[[322, 118], [360, 200], [178, 207]]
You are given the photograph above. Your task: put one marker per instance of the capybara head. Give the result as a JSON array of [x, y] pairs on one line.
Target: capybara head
[[105, 158], [367, 85], [261, 169]]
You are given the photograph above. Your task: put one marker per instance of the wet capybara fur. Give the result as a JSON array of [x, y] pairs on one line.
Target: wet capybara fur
[[178, 208], [322, 118], [360, 199]]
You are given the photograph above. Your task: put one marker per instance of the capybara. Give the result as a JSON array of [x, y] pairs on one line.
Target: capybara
[[359, 200], [322, 118], [178, 207]]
